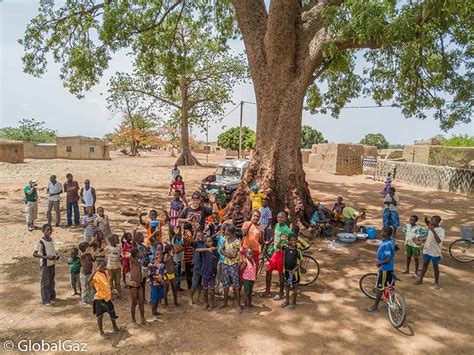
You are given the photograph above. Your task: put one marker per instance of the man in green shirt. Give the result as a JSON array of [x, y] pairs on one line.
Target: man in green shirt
[[31, 209]]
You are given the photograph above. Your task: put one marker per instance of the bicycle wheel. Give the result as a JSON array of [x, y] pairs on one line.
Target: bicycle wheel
[[309, 270], [462, 250], [397, 309], [368, 285]]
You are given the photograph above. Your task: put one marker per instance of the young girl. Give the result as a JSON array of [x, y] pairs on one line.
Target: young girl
[[249, 275], [158, 282], [291, 262], [136, 286], [170, 274], [178, 185], [126, 248], [113, 252], [388, 184]]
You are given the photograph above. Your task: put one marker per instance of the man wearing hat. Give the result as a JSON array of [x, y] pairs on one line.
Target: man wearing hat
[[31, 209]]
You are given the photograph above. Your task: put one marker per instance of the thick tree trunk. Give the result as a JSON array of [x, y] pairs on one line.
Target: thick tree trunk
[[277, 164], [186, 157]]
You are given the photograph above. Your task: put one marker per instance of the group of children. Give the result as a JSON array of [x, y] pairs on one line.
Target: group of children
[[209, 253]]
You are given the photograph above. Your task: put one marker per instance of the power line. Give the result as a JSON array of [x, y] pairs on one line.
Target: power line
[[228, 113]]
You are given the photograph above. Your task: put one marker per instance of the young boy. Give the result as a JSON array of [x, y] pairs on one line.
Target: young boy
[[209, 258], [213, 226], [432, 249], [413, 232], [197, 243], [87, 264], [88, 196], [88, 224], [390, 212], [292, 257], [103, 298], [230, 268], [174, 172], [158, 281], [266, 219], [170, 274], [188, 253], [385, 263], [114, 261], [256, 198], [101, 222], [45, 251], [249, 274], [153, 226], [238, 220], [276, 262], [74, 271], [176, 207], [177, 242], [337, 210]]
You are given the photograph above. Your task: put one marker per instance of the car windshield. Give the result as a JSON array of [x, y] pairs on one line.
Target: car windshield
[[228, 171]]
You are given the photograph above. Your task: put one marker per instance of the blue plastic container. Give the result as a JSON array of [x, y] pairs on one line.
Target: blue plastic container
[[371, 232]]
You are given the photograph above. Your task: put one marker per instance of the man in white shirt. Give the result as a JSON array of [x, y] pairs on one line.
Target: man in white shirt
[[45, 251], [55, 189], [432, 249]]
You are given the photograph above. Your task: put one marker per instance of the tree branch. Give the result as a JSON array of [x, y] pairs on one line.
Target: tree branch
[[162, 99]]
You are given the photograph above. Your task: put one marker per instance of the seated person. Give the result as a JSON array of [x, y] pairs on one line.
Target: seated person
[[351, 217], [337, 210]]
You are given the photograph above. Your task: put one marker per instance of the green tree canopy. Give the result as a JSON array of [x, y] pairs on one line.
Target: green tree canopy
[[462, 140], [310, 136], [230, 138], [376, 139], [29, 130]]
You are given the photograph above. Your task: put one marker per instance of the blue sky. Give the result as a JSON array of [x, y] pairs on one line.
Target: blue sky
[[45, 99]]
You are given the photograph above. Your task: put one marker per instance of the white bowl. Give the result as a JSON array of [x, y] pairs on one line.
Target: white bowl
[[347, 237]]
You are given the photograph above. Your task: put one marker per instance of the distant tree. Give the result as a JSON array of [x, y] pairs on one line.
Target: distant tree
[[29, 130], [396, 146], [375, 139], [310, 136], [463, 140], [230, 138]]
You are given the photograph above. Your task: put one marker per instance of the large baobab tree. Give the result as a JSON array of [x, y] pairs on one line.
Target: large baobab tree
[[414, 50]]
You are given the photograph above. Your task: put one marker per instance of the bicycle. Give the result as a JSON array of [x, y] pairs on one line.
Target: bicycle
[[309, 269], [462, 250], [396, 306]]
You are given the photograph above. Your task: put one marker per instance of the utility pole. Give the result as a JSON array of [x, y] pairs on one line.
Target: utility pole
[[207, 139], [240, 131]]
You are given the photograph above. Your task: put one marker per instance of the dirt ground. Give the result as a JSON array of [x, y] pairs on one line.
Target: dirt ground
[[331, 316]]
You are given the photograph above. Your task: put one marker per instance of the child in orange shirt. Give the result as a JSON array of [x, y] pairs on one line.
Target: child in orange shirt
[[103, 298]]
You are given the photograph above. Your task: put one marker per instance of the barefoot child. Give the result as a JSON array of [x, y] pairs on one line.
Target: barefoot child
[[413, 233], [101, 222], [45, 251], [153, 226], [170, 274], [385, 263], [178, 250], [238, 219], [266, 219], [103, 298], [390, 212], [74, 271], [291, 262], [249, 275], [126, 248], [230, 268], [87, 264], [135, 286], [276, 262], [158, 281], [337, 210], [197, 243], [432, 249], [113, 252], [209, 258], [88, 224]]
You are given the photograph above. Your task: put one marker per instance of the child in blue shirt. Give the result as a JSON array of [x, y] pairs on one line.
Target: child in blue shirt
[[385, 263]]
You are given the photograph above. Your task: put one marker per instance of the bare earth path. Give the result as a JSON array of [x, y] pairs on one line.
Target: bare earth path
[[330, 318]]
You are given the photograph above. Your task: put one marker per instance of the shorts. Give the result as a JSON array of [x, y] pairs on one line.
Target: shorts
[[276, 262], [248, 287], [434, 259], [100, 307], [230, 275], [197, 280], [295, 279], [412, 251], [390, 218], [209, 283], [170, 276], [383, 279]]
